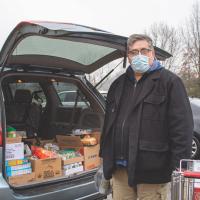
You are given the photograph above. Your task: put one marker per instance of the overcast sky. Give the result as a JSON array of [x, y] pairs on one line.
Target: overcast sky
[[122, 17]]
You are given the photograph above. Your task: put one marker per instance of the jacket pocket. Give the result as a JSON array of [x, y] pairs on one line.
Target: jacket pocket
[[152, 156], [152, 106]]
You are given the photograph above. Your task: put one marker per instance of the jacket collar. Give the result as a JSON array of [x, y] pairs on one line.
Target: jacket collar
[[155, 74]]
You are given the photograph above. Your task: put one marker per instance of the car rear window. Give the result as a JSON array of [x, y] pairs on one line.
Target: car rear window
[[69, 93], [83, 53]]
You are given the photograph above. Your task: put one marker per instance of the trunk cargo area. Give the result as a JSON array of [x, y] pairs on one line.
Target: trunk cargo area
[[60, 142]]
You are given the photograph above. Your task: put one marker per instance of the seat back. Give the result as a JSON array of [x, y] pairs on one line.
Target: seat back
[[23, 114], [17, 112]]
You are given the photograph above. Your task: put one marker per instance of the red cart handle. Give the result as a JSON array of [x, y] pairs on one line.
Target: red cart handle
[[190, 174]]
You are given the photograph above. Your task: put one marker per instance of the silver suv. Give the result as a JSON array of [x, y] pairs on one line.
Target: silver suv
[[39, 61]]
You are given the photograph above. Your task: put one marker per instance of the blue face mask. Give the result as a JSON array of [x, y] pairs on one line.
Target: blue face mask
[[140, 63]]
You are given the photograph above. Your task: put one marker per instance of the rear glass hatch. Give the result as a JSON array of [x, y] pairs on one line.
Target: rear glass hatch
[[62, 46]]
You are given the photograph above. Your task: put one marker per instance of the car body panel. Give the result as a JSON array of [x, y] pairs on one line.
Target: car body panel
[[195, 106]]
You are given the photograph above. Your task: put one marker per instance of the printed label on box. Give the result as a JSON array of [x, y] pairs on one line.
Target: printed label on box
[[15, 151]]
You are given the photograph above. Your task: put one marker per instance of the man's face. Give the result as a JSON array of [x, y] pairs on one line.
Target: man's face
[[141, 46]]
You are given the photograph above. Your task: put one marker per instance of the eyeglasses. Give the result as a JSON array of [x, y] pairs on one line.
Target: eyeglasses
[[135, 52]]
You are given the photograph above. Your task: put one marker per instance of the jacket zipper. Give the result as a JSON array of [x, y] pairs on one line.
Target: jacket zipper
[[122, 136]]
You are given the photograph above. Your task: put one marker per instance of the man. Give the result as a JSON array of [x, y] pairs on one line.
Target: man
[[148, 126]]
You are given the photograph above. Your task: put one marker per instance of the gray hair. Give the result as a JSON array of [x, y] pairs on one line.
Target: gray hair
[[136, 37]]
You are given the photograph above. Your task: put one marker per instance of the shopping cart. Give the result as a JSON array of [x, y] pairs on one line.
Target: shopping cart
[[186, 181]]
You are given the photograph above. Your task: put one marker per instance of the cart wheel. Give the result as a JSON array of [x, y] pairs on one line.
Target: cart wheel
[[195, 148]]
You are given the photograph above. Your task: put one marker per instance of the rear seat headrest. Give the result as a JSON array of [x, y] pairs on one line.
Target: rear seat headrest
[[23, 96]]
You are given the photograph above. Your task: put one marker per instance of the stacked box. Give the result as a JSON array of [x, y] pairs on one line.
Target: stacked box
[[73, 165], [90, 153], [16, 164], [18, 169]]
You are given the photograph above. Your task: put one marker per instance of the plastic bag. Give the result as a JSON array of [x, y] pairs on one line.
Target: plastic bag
[[102, 185]]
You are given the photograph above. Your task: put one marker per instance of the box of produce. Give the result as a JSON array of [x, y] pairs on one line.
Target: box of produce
[[70, 156], [46, 168], [46, 164], [87, 145]]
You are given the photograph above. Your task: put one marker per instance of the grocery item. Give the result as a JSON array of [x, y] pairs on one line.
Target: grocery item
[[19, 172], [72, 160], [81, 131], [73, 168], [51, 147], [11, 132], [16, 162], [90, 153], [42, 153], [67, 154], [18, 167], [89, 140]]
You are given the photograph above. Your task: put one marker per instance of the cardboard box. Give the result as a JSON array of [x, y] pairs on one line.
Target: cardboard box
[[73, 160], [73, 168], [15, 151], [47, 168], [91, 157], [17, 139], [90, 153], [68, 141], [22, 179]]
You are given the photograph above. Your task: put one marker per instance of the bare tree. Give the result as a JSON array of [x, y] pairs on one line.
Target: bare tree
[[167, 38], [191, 34]]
